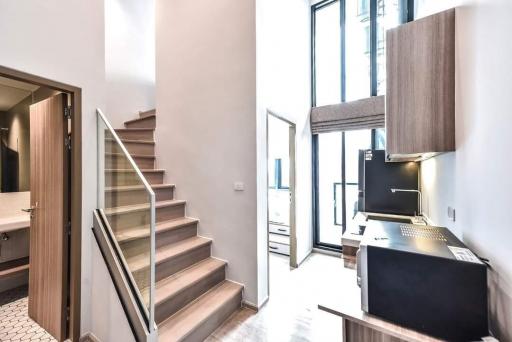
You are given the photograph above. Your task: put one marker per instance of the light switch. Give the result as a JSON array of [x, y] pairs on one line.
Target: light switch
[[239, 186]]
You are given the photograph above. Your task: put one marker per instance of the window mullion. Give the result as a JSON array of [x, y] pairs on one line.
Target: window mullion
[[342, 47], [343, 185], [373, 47]]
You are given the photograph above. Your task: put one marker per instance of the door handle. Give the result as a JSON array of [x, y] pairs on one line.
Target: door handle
[[29, 210]]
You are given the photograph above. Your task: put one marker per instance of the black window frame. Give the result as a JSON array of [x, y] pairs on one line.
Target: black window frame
[[407, 15]]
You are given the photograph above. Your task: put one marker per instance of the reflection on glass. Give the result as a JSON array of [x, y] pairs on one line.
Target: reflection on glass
[[271, 174], [357, 50], [132, 229], [278, 171], [354, 141], [338, 204], [388, 16], [327, 55], [380, 139], [351, 193], [329, 173]]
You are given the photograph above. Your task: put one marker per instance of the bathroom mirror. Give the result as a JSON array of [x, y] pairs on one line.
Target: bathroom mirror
[[15, 100]]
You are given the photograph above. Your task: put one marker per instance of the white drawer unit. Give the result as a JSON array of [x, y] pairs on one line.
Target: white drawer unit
[[278, 229], [279, 244], [279, 248]]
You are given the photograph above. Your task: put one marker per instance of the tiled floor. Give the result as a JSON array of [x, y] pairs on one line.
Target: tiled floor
[[15, 325]]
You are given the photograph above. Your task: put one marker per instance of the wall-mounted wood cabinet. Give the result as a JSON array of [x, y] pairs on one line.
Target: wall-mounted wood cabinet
[[420, 98]]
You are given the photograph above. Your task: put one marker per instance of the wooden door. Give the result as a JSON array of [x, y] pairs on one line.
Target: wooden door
[[47, 295]]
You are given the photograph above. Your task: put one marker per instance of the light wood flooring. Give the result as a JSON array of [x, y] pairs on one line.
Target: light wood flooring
[[291, 314]]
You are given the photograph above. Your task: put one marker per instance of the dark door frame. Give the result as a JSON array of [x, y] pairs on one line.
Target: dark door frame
[[75, 245]]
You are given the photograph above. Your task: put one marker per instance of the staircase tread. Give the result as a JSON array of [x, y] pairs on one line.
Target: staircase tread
[[140, 119], [132, 170], [176, 283], [141, 261], [134, 141], [133, 155], [147, 111], [161, 227], [144, 206], [181, 324], [133, 129], [137, 187]]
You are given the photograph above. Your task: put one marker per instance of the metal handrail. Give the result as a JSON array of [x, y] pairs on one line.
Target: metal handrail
[[152, 224]]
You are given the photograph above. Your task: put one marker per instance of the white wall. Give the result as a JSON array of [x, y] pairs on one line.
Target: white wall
[[476, 178], [283, 59], [109, 322], [129, 58], [65, 41], [206, 128]]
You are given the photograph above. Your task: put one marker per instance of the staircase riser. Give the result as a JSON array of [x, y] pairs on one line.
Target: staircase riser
[[169, 267], [139, 218], [175, 235], [132, 147], [131, 178], [149, 122], [172, 266], [121, 198], [146, 114], [136, 135], [172, 305], [115, 162], [215, 320]]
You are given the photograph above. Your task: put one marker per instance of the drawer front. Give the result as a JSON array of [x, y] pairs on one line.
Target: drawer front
[[279, 248], [279, 229]]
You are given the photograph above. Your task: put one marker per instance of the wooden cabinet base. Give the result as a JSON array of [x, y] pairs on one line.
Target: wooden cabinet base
[[354, 332]]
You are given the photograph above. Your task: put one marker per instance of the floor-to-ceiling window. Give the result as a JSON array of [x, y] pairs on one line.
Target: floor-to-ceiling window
[[348, 63]]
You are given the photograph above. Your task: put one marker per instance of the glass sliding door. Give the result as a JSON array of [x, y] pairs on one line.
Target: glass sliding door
[[337, 173], [354, 141]]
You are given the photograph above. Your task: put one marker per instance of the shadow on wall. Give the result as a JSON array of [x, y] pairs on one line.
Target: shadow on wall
[[500, 310]]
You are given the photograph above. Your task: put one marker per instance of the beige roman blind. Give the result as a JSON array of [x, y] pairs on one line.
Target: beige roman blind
[[360, 114]]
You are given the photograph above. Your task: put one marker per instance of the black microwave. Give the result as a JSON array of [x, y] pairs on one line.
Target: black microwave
[[423, 278]]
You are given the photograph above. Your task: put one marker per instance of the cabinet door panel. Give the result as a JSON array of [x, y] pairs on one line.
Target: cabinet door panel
[[420, 97]]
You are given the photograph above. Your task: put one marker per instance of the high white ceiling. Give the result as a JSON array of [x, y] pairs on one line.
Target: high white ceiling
[[12, 92]]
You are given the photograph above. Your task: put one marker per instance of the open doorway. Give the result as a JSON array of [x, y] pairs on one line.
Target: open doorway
[[40, 208], [281, 189]]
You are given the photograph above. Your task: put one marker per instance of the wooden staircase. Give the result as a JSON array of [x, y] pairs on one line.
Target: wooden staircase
[[192, 296]]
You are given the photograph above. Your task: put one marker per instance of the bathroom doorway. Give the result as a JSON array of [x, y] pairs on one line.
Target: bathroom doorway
[[40, 201]]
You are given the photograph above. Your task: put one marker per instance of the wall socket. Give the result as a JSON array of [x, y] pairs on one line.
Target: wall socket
[[451, 213]]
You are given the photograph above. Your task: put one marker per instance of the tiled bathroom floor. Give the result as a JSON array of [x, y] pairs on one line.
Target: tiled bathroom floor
[[15, 325]]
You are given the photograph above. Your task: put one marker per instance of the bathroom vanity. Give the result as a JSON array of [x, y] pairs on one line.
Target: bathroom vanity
[[14, 240]]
